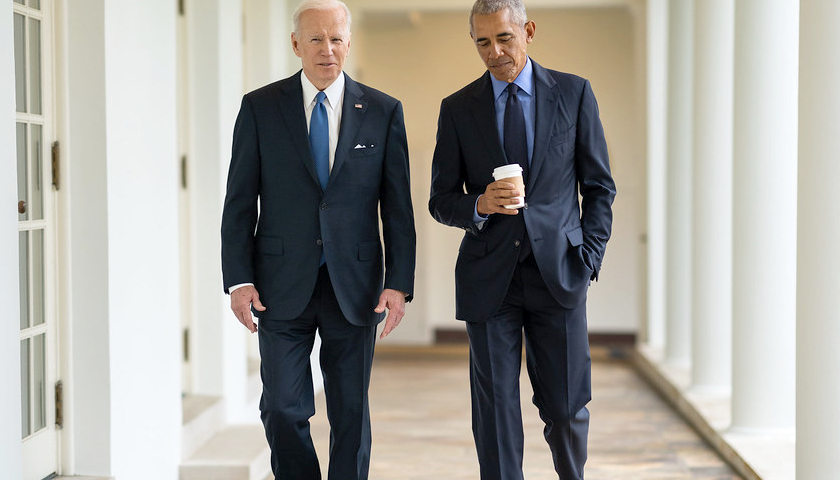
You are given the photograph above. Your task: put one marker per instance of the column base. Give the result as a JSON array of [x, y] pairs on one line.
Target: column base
[[753, 454]]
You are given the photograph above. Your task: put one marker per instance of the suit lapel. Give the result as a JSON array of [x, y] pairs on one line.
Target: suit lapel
[[353, 112], [484, 112], [546, 98], [290, 104]]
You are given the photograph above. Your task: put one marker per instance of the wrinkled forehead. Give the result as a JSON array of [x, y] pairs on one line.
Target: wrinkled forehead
[[494, 24], [331, 22]]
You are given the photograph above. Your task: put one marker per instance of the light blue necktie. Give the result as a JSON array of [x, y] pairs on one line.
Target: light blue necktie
[[319, 142], [319, 139]]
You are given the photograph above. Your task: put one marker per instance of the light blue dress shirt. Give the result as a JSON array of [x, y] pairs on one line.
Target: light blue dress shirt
[[525, 82]]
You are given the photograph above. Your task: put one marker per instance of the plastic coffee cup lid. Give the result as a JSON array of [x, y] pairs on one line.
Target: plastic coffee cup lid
[[507, 171]]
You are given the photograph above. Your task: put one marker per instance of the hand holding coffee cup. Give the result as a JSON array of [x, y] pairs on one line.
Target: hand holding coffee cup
[[513, 174], [506, 194]]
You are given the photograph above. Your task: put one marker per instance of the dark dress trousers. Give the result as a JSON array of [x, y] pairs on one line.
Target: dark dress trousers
[[278, 248], [500, 294]]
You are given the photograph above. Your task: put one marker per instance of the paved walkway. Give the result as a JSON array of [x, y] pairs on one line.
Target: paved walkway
[[421, 424]]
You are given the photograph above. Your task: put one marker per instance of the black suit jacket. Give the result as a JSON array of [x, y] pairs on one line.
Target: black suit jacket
[[278, 246], [568, 237]]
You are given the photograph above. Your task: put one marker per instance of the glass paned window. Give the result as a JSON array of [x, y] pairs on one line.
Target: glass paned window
[[39, 385], [36, 152], [22, 172], [26, 427], [23, 255], [35, 66], [20, 62], [37, 251]]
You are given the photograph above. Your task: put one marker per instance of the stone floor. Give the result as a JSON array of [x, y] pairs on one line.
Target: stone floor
[[421, 424]]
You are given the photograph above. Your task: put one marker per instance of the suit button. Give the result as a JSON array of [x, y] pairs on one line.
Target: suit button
[[323, 206], [319, 242], [517, 244]]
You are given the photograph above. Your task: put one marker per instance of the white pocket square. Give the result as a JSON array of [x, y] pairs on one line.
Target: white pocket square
[[358, 146]]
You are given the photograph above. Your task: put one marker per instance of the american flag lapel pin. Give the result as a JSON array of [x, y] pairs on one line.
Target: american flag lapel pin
[[358, 105]]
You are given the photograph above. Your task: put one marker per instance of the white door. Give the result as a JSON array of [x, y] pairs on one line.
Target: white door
[[36, 220]]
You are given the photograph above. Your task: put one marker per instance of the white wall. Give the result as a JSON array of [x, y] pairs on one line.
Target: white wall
[[602, 44], [10, 447], [268, 49]]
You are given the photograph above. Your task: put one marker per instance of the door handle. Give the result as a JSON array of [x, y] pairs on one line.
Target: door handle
[[22, 207]]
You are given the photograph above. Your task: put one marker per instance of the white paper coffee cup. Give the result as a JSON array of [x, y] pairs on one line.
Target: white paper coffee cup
[[512, 173]]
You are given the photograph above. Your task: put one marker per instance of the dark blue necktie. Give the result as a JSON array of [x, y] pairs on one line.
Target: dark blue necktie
[[516, 150], [516, 147], [319, 139]]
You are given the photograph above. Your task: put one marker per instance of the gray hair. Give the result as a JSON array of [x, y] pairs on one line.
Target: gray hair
[[486, 7], [317, 5]]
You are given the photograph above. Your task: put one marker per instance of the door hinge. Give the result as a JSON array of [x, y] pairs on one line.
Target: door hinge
[[59, 404], [55, 165], [181, 7], [184, 172]]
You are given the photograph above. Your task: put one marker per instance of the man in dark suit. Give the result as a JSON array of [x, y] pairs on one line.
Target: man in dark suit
[[319, 154], [524, 269]]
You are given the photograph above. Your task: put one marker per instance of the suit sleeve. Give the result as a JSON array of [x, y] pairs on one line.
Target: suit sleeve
[[448, 203], [239, 216], [597, 187], [396, 209]]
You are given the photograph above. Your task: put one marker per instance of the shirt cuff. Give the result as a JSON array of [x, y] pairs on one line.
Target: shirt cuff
[[478, 218], [239, 285]]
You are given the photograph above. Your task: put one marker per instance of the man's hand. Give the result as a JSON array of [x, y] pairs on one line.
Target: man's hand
[[496, 196], [240, 302], [394, 301]]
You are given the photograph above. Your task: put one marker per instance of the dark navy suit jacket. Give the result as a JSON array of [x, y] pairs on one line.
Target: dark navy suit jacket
[[278, 246], [568, 236]]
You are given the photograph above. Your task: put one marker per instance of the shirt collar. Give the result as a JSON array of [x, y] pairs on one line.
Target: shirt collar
[[525, 81], [333, 92]]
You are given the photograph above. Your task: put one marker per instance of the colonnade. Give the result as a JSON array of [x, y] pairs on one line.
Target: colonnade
[[752, 275]]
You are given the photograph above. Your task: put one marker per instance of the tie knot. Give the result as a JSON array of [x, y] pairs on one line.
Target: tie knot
[[512, 89], [319, 98]]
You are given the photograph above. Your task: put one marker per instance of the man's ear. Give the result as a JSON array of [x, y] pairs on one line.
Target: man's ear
[[295, 45], [530, 31]]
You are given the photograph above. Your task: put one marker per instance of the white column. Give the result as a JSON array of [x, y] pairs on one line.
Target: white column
[[143, 282], [10, 451], [678, 205], [216, 76], [657, 91], [711, 313], [764, 214], [118, 222], [83, 225], [818, 267]]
